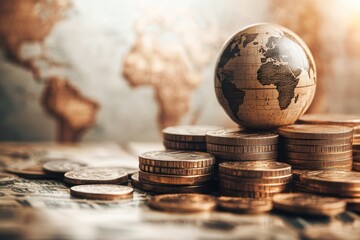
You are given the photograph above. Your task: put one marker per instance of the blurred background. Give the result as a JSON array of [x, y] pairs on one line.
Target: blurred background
[[74, 70]]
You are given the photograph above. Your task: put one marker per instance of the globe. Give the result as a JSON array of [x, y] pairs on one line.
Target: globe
[[265, 77]]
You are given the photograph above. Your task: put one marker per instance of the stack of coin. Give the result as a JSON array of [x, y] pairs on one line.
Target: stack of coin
[[348, 120], [332, 182], [317, 147], [172, 171], [242, 145], [191, 138], [254, 179]]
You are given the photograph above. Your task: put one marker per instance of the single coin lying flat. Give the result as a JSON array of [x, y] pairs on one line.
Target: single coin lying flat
[[101, 191]]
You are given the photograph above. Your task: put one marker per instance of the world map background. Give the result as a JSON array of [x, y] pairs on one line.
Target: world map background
[[123, 58]]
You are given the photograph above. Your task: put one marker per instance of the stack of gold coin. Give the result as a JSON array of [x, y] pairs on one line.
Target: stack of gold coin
[[175, 171], [242, 145], [254, 179], [332, 182], [190, 138], [349, 120], [317, 147]]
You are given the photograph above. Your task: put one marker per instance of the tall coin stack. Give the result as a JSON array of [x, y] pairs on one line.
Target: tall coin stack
[[349, 120], [172, 171], [317, 147], [191, 138], [254, 179]]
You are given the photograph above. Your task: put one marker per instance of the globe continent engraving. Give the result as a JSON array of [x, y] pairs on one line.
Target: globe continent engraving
[[265, 77]]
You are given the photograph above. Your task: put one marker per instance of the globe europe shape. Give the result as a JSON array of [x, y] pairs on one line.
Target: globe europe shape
[[265, 77]]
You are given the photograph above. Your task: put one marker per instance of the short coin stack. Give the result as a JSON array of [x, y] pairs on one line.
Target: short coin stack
[[190, 138], [317, 147], [242, 145], [255, 179], [172, 171]]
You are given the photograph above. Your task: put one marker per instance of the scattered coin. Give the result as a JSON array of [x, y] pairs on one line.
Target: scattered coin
[[28, 170], [308, 204], [176, 159], [177, 171], [244, 205], [60, 167], [183, 202], [192, 133], [96, 176], [130, 171], [173, 179], [101, 191], [7, 178]]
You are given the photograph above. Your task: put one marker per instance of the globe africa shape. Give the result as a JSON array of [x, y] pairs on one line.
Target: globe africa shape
[[265, 77]]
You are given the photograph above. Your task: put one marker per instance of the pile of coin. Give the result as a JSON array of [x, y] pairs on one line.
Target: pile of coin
[[175, 171], [317, 147], [254, 179], [242, 145], [190, 138]]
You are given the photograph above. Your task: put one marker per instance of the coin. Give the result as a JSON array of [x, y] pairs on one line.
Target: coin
[[28, 170], [350, 120], [7, 178], [192, 133], [244, 205], [101, 191], [176, 159], [130, 171], [318, 157], [246, 194], [308, 204], [173, 179], [241, 149], [96, 176], [185, 145], [183, 202], [244, 156], [154, 188], [312, 168], [253, 187], [235, 136], [309, 131], [135, 180], [246, 180], [318, 142], [356, 167], [60, 167], [177, 171], [320, 164], [318, 149], [256, 169]]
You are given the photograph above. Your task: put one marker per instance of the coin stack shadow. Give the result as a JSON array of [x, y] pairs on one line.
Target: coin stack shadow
[[315, 147], [175, 171]]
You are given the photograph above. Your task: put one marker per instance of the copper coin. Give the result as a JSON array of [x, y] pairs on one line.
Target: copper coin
[[247, 180], [190, 146], [173, 179], [194, 133], [241, 137], [246, 194], [320, 163], [244, 205], [28, 170], [183, 202], [246, 149], [318, 149], [318, 142], [101, 191], [96, 176], [176, 159], [7, 178], [350, 120], [177, 171], [261, 156], [308, 204], [309, 131], [256, 169], [271, 188], [153, 188], [60, 167], [318, 156]]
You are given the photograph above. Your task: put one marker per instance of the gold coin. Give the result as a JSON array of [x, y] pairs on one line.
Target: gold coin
[[7, 178], [183, 202], [246, 149], [190, 146], [253, 187], [101, 191], [247, 180], [60, 167], [318, 157], [28, 170], [241, 137], [308, 204], [334, 179], [255, 169], [245, 156], [244, 205], [309, 131], [177, 171], [192, 133], [176, 159], [96, 176], [318, 149], [246, 194], [152, 178], [350, 120], [330, 168], [320, 163], [134, 180], [318, 142]]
